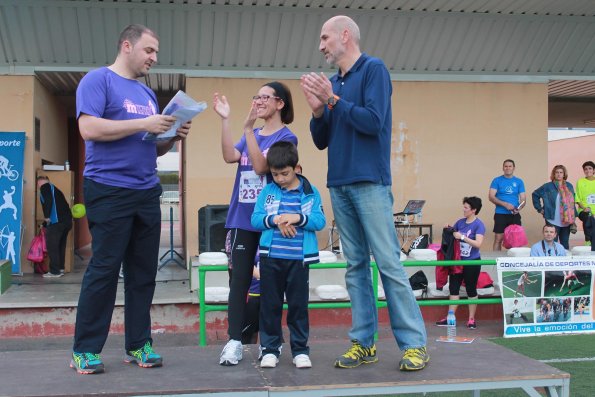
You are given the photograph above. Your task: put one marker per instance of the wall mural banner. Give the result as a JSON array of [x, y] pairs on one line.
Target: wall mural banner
[[12, 155], [547, 295]]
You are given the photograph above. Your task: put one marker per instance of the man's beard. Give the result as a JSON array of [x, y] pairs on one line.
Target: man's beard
[[332, 58]]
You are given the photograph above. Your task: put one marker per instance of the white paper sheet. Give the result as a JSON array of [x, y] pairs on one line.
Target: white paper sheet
[[184, 109]]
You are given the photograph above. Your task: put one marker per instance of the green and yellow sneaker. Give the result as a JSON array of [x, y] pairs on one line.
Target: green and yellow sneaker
[[86, 363], [414, 359], [356, 356], [144, 357]]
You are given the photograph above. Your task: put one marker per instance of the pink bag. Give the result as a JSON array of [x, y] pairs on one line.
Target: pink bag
[[514, 236], [484, 280], [38, 248]]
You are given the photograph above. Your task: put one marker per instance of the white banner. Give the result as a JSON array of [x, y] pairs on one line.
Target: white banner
[[546, 295]]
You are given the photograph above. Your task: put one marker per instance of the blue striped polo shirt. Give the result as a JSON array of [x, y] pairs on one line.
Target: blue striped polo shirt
[[289, 248]]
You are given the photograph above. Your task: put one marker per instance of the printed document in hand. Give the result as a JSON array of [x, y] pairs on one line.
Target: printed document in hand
[[183, 108]]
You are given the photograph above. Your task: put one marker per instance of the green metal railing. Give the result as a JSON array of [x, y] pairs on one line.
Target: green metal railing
[[206, 307]]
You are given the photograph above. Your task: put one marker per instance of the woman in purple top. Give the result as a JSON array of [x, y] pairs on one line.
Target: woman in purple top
[[470, 232], [274, 105]]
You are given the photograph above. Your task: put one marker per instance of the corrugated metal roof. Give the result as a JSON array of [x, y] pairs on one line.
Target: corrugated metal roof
[[424, 39], [571, 89], [533, 7]]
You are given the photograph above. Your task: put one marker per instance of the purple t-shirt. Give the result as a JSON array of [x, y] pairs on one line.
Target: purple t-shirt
[[248, 184], [128, 162], [469, 230]]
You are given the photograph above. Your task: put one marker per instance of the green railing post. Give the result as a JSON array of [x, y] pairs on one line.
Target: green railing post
[[202, 309]]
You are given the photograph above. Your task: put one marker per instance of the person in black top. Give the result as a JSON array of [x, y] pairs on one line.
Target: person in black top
[[57, 222]]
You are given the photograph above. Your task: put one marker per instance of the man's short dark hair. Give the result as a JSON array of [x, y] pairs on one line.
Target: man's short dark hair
[[132, 33], [509, 161], [282, 154], [474, 202], [588, 164]]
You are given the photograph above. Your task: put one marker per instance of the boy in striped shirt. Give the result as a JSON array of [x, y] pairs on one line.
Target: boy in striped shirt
[[288, 212]]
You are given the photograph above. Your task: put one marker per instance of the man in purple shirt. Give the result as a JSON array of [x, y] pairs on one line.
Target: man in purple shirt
[[121, 188]]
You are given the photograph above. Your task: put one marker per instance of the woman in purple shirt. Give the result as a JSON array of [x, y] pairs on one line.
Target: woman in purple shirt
[[470, 231], [272, 104]]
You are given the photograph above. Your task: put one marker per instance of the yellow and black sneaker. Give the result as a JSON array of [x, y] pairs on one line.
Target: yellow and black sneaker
[[357, 355], [414, 359]]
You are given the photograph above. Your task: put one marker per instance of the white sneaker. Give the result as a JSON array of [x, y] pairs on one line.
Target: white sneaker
[[52, 275], [302, 361], [232, 353], [269, 361]]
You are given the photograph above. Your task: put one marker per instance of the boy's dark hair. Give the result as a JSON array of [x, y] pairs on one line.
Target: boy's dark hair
[[474, 203], [282, 154], [283, 92], [588, 163], [509, 161]]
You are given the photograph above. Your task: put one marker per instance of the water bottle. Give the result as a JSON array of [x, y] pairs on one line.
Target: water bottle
[[451, 325], [67, 165]]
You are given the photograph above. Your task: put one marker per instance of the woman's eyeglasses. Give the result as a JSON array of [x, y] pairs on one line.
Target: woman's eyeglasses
[[264, 98]]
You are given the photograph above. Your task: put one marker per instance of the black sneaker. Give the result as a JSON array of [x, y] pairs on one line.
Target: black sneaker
[[357, 355], [442, 323]]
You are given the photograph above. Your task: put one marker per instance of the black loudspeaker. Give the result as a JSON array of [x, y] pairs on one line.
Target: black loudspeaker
[[211, 228]]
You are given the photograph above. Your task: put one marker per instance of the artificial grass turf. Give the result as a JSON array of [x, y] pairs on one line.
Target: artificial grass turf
[[551, 347]]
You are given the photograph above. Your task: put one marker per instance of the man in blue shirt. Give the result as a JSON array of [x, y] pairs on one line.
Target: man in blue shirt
[[352, 118], [547, 246], [508, 193]]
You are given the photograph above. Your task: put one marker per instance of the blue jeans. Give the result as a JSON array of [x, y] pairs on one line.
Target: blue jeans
[[363, 214]]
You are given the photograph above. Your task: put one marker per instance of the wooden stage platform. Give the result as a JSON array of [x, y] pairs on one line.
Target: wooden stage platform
[[194, 371]]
